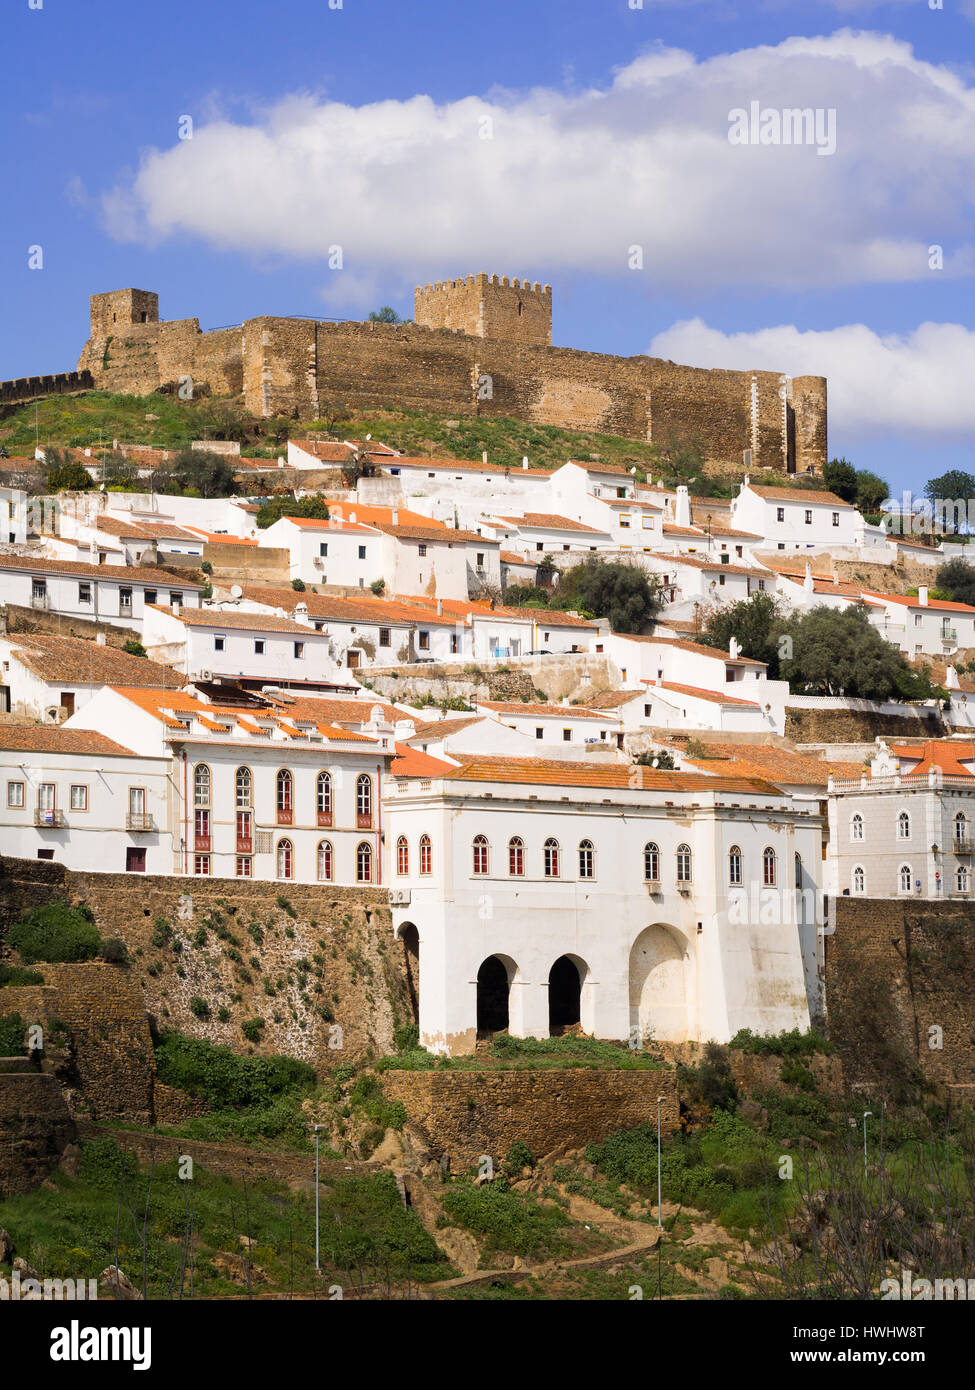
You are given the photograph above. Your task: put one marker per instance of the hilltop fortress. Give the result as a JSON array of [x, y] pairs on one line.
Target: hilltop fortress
[[479, 346]]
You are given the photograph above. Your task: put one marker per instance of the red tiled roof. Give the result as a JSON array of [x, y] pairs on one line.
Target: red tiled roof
[[116, 574], [552, 711], [78, 661], [538, 771], [946, 754], [912, 601], [250, 622], [549, 521], [43, 738], [411, 762], [795, 494], [696, 692]]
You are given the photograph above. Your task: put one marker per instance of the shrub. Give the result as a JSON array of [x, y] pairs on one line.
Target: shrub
[[13, 975], [134, 648], [56, 933], [224, 1079], [115, 951], [253, 1029], [12, 1036], [199, 1007], [519, 1157], [298, 585]]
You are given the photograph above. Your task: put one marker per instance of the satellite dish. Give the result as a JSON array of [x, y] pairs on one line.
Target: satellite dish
[[236, 592]]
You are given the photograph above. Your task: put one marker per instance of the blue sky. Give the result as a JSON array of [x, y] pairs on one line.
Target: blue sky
[[545, 138]]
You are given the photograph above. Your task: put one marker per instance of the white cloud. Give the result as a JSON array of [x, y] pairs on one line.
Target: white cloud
[[569, 182], [917, 384]]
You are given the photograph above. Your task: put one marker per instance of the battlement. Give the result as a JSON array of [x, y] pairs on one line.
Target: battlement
[[119, 309], [488, 306]]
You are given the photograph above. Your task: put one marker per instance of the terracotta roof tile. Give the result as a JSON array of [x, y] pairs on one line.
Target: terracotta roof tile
[[538, 771], [411, 762], [714, 697], [77, 660], [115, 574], [43, 738], [551, 711], [795, 494], [232, 618], [549, 521]]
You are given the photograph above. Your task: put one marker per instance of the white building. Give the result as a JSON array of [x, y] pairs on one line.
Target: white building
[[536, 533], [48, 677], [905, 831], [796, 518], [102, 593], [84, 800], [253, 793], [549, 724], [13, 515], [541, 895], [922, 625], [208, 643]]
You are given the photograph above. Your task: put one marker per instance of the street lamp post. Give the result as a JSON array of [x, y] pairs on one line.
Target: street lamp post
[[316, 1129], [660, 1205]]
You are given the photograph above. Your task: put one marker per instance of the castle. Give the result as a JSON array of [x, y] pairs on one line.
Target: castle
[[481, 345]]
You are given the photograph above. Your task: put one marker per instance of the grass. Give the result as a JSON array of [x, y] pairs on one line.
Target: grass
[[506, 1221], [509, 1053], [75, 1228]]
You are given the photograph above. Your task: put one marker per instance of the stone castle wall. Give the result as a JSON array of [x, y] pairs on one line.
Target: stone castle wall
[[35, 1126], [467, 1114], [472, 355]]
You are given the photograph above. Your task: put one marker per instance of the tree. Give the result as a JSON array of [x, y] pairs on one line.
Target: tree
[[754, 623], [683, 459], [196, 473], [623, 594], [524, 596], [871, 491], [283, 504], [387, 314], [117, 471], [839, 652], [840, 477], [64, 474], [956, 579]]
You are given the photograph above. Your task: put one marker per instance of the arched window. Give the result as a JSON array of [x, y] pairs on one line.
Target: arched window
[[734, 865], [516, 856], [402, 856], [201, 785], [961, 828], [651, 863], [798, 871], [286, 859], [363, 801], [768, 867], [859, 880], [904, 877], [903, 826], [856, 827], [285, 796], [426, 855], [245, 788], [325, 860], [587, 859], [363, 863], [550, 856], [961, 878], [684, 864], [480, 847], [323, 798]]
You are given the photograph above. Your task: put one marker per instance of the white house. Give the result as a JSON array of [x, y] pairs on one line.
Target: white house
[[922, 625], [208, 643], [555, 724], [84, 800], [539, 895], [796, 518], [103, 593], [13, 515], [254, 794], [363, 631], [328, 552], [536, 533], [48, 677], [906, 830], [692, 582]]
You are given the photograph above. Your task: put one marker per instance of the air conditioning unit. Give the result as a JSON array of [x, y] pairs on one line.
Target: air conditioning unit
[[204, 676]]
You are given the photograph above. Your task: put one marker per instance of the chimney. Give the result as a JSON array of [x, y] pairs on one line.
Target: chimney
[[176, 608], [395, 516], [352, 518], [439, 607], [682, 510], [922, 595]]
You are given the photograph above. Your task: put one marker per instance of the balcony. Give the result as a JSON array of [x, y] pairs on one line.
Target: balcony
[[961, 844], [285, 817], [245, 845], [139, 821], [324, 818], [363, 820], [949, 635], [40, 601], [201, 844], [49, 820]]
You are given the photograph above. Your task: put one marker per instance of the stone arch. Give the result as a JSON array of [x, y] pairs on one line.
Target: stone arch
[[409, 935], [567, 995], [495, 976], [659, 984]]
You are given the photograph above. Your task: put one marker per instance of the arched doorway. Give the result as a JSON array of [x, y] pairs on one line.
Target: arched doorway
[[410, 938], [658, 987], [493, 988], [564, 995]]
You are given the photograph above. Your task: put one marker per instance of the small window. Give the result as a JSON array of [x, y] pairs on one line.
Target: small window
[[175, 597], [422, 550], [323, 548], [734, 865], [836, 518], [299, 651], [84, 593], [780, 513], [651, 863], [768, 868], [587, 859], [402, 856], [550, 858], [808, 516], [363, 863], [480, 560], [244, 866], [539, 732], [516, 856], [798, 863], [362, 552], [566, 735], [218, 644], [201, 785], [15, 794], [859, 880], [904, 878], [149, 596], [285, 791], [259, 646], [363, 800], [684, 864], [856, 827], [424, 641], [243, 787], [480, 848], [426, 855], [285, 859], [137, 801], [961, 878], [903, 826], [79, 798], [325, 861], [384, 637], [323, 798], [201, 865]]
